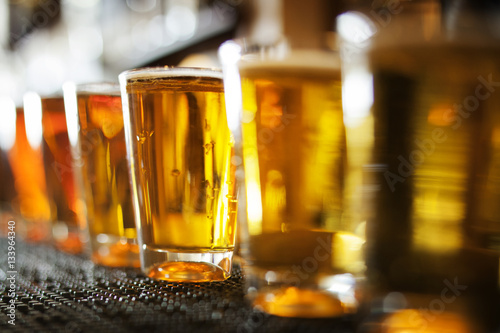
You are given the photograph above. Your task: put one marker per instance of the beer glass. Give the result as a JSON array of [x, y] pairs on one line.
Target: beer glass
[[180, 153], [432, 245], [24, 196], [94, 114], [301, 234], [30, 204], [7, 142], [59, 175]]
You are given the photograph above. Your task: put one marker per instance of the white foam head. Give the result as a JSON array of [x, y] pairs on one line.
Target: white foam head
[[306, 59], [165, 72], [99, 88]]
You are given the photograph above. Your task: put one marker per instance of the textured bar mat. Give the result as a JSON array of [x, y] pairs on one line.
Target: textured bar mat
[[57, 292]]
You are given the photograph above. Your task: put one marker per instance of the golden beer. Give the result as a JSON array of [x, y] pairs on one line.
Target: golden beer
[[184, 190], [300, 234], [437, 140], [105, 178], [59, 174]]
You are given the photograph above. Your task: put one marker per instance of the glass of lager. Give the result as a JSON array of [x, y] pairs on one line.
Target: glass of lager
[[180, 153], [95, 122], [301, 231]]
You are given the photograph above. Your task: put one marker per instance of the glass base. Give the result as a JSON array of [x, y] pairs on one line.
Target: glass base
[[302, 303], [187, 266], [67, 238], [277, 292], [113, 251]]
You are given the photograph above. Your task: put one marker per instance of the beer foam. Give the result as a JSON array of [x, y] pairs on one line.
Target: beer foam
[[104, 88], [298, 59], [165, 72]]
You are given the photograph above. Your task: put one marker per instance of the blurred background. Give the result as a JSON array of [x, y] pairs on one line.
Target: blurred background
[[47, 42], [44, 43]]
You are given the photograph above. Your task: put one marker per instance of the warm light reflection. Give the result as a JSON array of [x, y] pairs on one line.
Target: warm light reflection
[[254, 200], [274, 199], [71, 107], [442, 115], [357, 96], [295, 302], [33, 118], [252, 180], [348, 252], [412, 320], [438, 215], [7, 123], [230, 53]]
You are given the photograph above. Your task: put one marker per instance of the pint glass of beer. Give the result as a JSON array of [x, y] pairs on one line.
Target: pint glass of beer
[[65, 205], [95, 121], [301, 238], [29, 202], [432, 238], [180, 153]]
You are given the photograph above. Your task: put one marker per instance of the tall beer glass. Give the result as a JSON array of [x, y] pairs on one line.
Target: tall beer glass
[[23, 194], [94, 113], [59, 175], [301, 236], [432, 245], [8, 119], [180, 154], [31, 204]]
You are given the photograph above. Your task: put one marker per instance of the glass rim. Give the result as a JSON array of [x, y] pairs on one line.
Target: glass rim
[[247, 53], [98, 88], [170, 71]]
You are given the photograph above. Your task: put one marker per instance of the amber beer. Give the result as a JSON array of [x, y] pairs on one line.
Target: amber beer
[[59, 175], [105, 180], [180, 151], [300, 232], [30, 204]]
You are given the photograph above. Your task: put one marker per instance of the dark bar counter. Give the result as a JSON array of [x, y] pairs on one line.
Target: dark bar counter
[[58, 292]]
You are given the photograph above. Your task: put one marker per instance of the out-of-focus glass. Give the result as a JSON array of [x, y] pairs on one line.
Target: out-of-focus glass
[[30, 205], [65, 207], [95, 121], [433, 233], [8, 118], [180, 151], [301, 234]]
